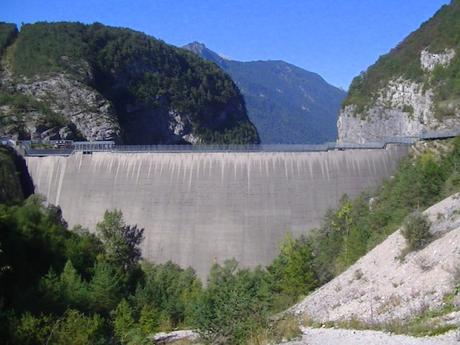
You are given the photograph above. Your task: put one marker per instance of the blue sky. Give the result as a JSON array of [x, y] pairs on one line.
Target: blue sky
[[335, 38]]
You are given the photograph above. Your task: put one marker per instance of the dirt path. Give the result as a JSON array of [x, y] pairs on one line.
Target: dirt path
[[329, 336]]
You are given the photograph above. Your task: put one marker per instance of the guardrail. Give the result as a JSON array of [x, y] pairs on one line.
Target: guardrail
[[90, 147], [210, 148]]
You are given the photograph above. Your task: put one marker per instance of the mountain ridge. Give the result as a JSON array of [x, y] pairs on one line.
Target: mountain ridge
[[288, 104]]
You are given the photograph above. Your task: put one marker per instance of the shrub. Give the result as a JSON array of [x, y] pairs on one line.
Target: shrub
[[416, 231]]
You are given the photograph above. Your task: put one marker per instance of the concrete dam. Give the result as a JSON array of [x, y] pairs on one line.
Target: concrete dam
[[201, 207]]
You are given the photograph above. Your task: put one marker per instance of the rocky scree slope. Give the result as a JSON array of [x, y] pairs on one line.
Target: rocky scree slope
[[94, 82], [380, 288], [288, 104], [414, 88]]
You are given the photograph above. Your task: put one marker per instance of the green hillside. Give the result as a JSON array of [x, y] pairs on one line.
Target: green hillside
[[436, 35]]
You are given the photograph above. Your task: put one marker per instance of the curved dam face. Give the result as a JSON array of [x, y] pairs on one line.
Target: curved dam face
[[200, 207]]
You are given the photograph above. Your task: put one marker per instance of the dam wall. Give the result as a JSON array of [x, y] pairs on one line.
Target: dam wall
[[201, 207]]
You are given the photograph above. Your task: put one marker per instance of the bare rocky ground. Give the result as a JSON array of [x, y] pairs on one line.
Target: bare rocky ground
[[381, 289]]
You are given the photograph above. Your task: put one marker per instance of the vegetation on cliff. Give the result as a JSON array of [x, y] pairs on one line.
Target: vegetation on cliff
[[15, 182], [133, 70], [10, 186], [436, 35]]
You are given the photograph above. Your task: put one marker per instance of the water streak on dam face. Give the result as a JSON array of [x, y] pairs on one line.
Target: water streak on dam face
[[201, 207]]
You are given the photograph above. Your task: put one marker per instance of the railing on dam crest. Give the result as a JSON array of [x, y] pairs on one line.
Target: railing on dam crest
[[65, 147]]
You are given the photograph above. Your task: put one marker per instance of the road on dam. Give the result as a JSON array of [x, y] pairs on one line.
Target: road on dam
[[201, 207]]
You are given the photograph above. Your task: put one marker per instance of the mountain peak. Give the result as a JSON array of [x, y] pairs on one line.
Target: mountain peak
[[195, 46], [200, 49]]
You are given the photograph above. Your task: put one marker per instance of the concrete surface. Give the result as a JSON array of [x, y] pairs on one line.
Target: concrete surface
[[200, 207]]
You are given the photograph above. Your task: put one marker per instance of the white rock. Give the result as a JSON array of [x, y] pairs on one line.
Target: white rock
[[430, 61]]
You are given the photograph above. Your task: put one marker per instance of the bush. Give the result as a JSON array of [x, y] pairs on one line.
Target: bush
[[416, 231]]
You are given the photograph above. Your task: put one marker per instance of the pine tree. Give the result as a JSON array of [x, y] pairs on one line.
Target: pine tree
[[124, 320], [121, 241], [105, 288]]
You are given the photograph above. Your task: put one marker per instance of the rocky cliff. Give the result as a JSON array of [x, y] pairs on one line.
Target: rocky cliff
[[287, 104], [414, 88], [93, 82]]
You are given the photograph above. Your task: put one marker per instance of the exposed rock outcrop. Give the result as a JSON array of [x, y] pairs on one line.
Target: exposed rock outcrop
[[84, 107], [430, 61]]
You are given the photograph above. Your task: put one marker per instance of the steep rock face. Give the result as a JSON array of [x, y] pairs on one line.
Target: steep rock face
[[92, 115], [93, 82], [287, 104], [414, 88]]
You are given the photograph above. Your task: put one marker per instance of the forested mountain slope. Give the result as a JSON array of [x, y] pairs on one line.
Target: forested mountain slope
[[287, 104], [94, 82]]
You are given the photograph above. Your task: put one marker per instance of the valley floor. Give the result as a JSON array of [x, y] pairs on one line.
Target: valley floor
[[331, 336]]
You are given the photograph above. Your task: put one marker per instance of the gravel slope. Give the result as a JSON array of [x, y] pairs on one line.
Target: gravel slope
[[379, 287]]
